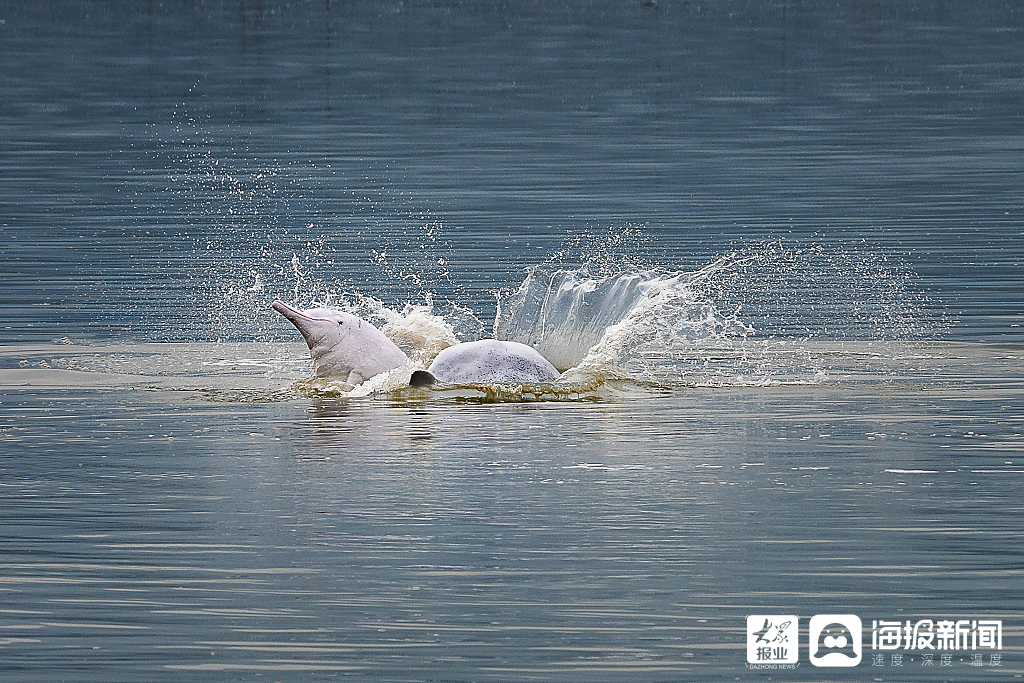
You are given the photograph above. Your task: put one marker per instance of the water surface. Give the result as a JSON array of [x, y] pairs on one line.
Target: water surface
[[822, 414]]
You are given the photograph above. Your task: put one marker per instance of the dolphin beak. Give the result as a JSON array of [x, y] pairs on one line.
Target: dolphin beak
[[287, 311], [295, 317]]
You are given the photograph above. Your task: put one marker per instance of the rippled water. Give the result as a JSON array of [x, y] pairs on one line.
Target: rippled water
[[782, 243]]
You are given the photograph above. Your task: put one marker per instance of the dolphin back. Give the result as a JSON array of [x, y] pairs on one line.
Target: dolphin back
[[490, 360]]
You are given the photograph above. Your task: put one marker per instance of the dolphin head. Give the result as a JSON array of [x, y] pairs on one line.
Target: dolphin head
[[318, 326], [343, 344]]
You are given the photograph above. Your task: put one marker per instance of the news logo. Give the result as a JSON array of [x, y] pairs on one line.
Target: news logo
[[772, 639], [834, 640]]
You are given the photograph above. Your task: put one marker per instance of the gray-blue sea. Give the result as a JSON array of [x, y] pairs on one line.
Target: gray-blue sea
[[776, 248]]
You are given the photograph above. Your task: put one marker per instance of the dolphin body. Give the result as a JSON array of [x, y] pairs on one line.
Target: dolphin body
[[342, 344], [345, 345], [487, 361]]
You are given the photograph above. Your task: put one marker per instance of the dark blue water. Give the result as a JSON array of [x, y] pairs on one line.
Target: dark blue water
[[162, 153], [175, 511]]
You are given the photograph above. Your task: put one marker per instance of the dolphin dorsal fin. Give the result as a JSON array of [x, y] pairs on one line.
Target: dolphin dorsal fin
[[421, 378]]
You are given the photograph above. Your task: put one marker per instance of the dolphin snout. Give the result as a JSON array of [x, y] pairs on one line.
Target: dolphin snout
[[287, 311], [296, 317]]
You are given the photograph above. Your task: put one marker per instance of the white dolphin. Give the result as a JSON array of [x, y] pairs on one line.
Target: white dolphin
[[486, 361], [342, 344], [347, 346]]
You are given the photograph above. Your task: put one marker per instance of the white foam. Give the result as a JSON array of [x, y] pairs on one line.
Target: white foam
[[603, 322], [624, 325]]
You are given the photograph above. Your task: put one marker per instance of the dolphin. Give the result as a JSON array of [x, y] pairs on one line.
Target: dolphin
[[345, 345], [485, 361]]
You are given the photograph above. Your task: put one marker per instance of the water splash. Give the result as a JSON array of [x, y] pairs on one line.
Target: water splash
[[256, 228], [603, 308], [575, 319], [770, 313]]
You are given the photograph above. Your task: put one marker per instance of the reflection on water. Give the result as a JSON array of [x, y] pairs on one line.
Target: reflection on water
[[153, 532]]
